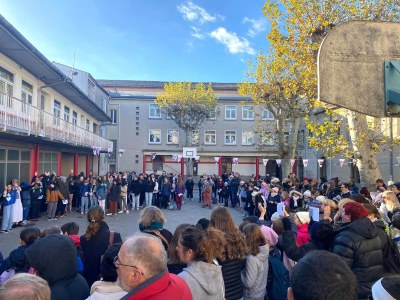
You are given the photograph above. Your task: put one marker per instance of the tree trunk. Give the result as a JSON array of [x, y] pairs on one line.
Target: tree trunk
[[289, 151], [188, 162], [366, 160]]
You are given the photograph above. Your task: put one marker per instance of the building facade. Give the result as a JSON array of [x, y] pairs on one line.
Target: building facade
[[47, 123]]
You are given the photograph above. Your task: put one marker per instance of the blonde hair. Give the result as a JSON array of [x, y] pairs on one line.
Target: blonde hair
[[151, 214], [343, 202], [329, 202], [25, 286], [391, 200]]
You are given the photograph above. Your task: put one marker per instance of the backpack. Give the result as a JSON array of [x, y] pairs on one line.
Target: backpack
[[280, 277], [392, 263]]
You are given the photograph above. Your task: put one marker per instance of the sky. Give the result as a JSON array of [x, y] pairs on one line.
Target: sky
[[160, 40]]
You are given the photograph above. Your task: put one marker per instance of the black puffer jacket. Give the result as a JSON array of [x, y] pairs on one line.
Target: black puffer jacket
[[54, 258], [231, 270], [359, 245], [390, 264]]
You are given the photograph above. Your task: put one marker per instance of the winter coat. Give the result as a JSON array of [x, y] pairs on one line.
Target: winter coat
[[101, 191], [93, 249], [289, 246], [204, 280], [106, 290], [16, 260], [115, 192], [53, 195], [124, 191], [58, 267], [163, 286], [63, 188], [180, 189], [149, 186], [166, 190], [255, 275], [231, 272], [360, 247], [303, 236], [189, 184], [135, 187], [37, 195], [84, 191]]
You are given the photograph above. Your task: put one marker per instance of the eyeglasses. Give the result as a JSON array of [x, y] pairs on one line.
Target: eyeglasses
[[118, 263]]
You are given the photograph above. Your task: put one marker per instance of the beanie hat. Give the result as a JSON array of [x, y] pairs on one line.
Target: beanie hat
[[270, 235], [355, 210], [307, 193], [303, 216], [320, 198], [275, 217], [386, 288]]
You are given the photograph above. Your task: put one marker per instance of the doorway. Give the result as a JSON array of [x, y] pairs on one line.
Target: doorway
[[226, 165]]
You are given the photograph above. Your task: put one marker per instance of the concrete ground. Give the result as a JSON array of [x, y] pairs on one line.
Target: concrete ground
[[125, 224]]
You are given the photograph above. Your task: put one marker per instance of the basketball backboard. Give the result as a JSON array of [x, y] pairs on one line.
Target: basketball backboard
[[189, 152], [351, 66]]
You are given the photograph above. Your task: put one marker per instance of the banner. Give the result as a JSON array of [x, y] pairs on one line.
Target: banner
[[153, 155], [235, 160], [197, 157], [216, 158], [292, 161], [305, 163], [341, 161], [174, 157], [180, 158], [265, 161], [278, 162], [96, 150], [320, 162]]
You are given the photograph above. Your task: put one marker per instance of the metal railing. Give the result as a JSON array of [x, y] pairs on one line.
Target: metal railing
[[16, 115]]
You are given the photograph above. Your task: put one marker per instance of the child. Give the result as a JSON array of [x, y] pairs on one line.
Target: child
[[36, 201], [71, 230], [9, 196], [285, 198], [225, 192]]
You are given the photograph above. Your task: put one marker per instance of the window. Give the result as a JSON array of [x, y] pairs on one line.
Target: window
[[113, 154], [230, 137], [172, 136], [155, 136], [74, 118], [230, 112], [56, 113], [247, 112], [154, 111], [91, 89], [6, 87], [247, 137], [42, 102], [210, 137], [66, 113], [104, 104], [87, 124], [26, 96], [113, 114], [267, 115], [195, 137]]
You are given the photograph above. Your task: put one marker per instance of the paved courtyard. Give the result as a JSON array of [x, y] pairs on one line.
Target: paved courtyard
[[126, 224]]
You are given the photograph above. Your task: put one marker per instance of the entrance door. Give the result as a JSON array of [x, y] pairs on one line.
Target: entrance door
[[272, 169], [226, 165], [158, 163]]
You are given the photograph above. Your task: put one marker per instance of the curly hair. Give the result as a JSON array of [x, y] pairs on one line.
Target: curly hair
[[235, 247], [205, 244], [95, 216], [253, 238]]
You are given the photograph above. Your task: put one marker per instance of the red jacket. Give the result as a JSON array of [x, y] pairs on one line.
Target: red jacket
[[163, 286], [303, 237]]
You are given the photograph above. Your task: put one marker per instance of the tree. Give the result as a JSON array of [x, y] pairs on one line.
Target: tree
[[297, 30], [189, 105]]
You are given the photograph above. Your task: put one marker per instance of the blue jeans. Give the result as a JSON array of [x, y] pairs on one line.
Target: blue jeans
[[84, 204], [25, 207], [93, 201], [7, 217]]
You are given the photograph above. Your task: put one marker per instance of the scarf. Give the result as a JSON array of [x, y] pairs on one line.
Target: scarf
[[157, 225]]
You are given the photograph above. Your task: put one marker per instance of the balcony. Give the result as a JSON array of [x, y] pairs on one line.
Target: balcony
[[21, 117]]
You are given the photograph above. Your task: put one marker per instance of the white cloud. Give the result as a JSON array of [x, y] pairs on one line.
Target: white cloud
[[193, 12], [257, 26], [234, 43], [197, 33]]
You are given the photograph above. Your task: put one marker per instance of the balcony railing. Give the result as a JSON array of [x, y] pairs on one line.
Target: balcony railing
[[16, 115]]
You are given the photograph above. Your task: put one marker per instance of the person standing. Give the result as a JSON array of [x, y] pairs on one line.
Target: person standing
[[36, 200], [200, 185], [26, 192], [123, 197], [207, 193], [101, 192], [53, 195], [17, 210], [8, 206], [166, 190], [114, 193], [150, 185], [179, 192], [189, 184]]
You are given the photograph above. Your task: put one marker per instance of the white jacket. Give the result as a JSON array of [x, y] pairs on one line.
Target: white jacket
[[106, 290]]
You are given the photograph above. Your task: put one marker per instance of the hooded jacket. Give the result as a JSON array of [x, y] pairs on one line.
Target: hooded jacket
[[106, 290], [256, 274], [360, 247], [54, 258], [204, 280]]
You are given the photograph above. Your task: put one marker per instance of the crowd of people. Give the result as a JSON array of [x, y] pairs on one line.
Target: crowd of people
[[309, 239]]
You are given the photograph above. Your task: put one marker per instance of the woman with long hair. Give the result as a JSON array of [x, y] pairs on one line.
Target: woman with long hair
[[232, 259], [150, 184], [95, 242], [388, 205], [175, 265], [179, 192], [255, 275], [166, 190], [114, 193], [199, 249], [152, 221]]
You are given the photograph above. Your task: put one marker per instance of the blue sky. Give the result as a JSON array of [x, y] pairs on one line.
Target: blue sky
[[167, 40]]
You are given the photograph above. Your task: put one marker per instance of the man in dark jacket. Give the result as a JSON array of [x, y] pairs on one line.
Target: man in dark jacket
[[54, 259], [358, 243], [189, 184]]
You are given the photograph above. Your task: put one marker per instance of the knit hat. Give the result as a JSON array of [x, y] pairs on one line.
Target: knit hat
[[387, 289], [297, 192], [303, 216], [355, 210], [275, 180], [307, 194], [275, 217], [270, 235], [275, 189], [320, 198]]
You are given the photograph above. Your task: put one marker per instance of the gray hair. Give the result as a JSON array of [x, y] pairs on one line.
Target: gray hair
[[147, 253], [25, 286], [151, 214]]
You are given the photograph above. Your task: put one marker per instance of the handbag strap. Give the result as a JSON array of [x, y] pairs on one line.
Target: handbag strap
[[157, 233], [111, 240]]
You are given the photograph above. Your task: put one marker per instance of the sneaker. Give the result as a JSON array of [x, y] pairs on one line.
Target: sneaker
[[127, 211], [24, 222], [49, 219], [81, 212], [137, 208], [109, 214], [121, 211], [3, 231], [54, 219]]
